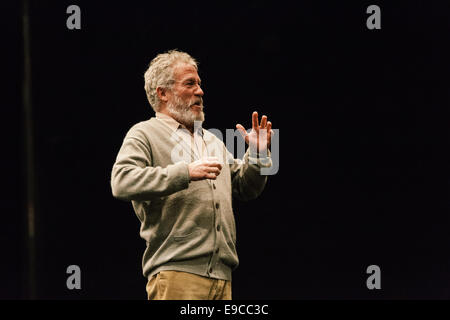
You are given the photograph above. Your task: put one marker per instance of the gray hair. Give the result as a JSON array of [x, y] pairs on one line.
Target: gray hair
[[160, 73]]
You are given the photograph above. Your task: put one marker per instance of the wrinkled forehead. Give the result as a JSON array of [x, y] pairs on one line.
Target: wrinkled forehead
[[183, 71]]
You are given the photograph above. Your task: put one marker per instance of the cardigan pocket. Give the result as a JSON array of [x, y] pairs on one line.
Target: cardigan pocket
[[185, 237]]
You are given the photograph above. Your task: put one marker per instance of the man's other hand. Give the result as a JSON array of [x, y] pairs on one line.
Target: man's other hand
[[208, 168]]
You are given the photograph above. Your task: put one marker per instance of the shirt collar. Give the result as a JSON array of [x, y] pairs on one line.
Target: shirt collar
[[174, 124], [168, 120]]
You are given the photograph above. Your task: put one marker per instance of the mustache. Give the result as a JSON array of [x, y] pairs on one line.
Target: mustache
[[186, 105], [198, 101]]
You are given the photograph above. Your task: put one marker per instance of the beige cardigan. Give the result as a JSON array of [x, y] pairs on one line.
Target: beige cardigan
[[187, 225]]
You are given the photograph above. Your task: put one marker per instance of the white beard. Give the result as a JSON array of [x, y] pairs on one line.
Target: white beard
[[182, 112]]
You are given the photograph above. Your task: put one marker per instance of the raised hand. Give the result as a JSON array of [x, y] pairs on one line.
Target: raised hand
[[260, 135]]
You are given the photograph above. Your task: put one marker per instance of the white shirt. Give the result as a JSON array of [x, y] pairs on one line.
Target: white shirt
[[194, 141]]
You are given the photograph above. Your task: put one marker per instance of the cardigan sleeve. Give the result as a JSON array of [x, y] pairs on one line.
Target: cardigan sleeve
[[134, 178], [246, 178]]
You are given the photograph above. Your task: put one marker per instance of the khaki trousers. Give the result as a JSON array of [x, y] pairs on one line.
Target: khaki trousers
[[177, 285]]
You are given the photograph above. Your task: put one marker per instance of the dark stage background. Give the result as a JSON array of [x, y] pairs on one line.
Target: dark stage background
[[363, 123]]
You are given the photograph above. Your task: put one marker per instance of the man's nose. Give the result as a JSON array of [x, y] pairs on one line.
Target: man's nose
[[198, 91]]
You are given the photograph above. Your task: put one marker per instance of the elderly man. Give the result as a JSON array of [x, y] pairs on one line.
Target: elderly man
[[185, 206]]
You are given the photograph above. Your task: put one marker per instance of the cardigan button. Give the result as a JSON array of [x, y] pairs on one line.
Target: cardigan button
[[217, 206]]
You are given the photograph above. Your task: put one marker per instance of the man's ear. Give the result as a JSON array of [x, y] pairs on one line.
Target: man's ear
[[162, 94]]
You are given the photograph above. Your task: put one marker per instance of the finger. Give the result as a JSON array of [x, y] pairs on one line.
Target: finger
[[269, 132], [255, 124], [210, 176], [263, 122], [213, 162], [214, 165], [241, 130], [214, 170]]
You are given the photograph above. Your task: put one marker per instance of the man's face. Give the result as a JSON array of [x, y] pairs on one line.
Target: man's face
[[185, 99]]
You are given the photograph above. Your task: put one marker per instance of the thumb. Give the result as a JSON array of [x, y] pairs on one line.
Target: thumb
[[241, 130]]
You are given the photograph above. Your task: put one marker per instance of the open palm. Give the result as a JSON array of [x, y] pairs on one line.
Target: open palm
[[260, 135]]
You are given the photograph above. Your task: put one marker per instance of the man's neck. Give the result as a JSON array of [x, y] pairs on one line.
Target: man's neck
[[190, 127]]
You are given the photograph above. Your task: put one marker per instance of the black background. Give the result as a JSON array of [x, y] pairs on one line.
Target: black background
[[363, 124]]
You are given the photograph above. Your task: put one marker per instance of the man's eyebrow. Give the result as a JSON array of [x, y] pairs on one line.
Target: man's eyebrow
[[193, 79]]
